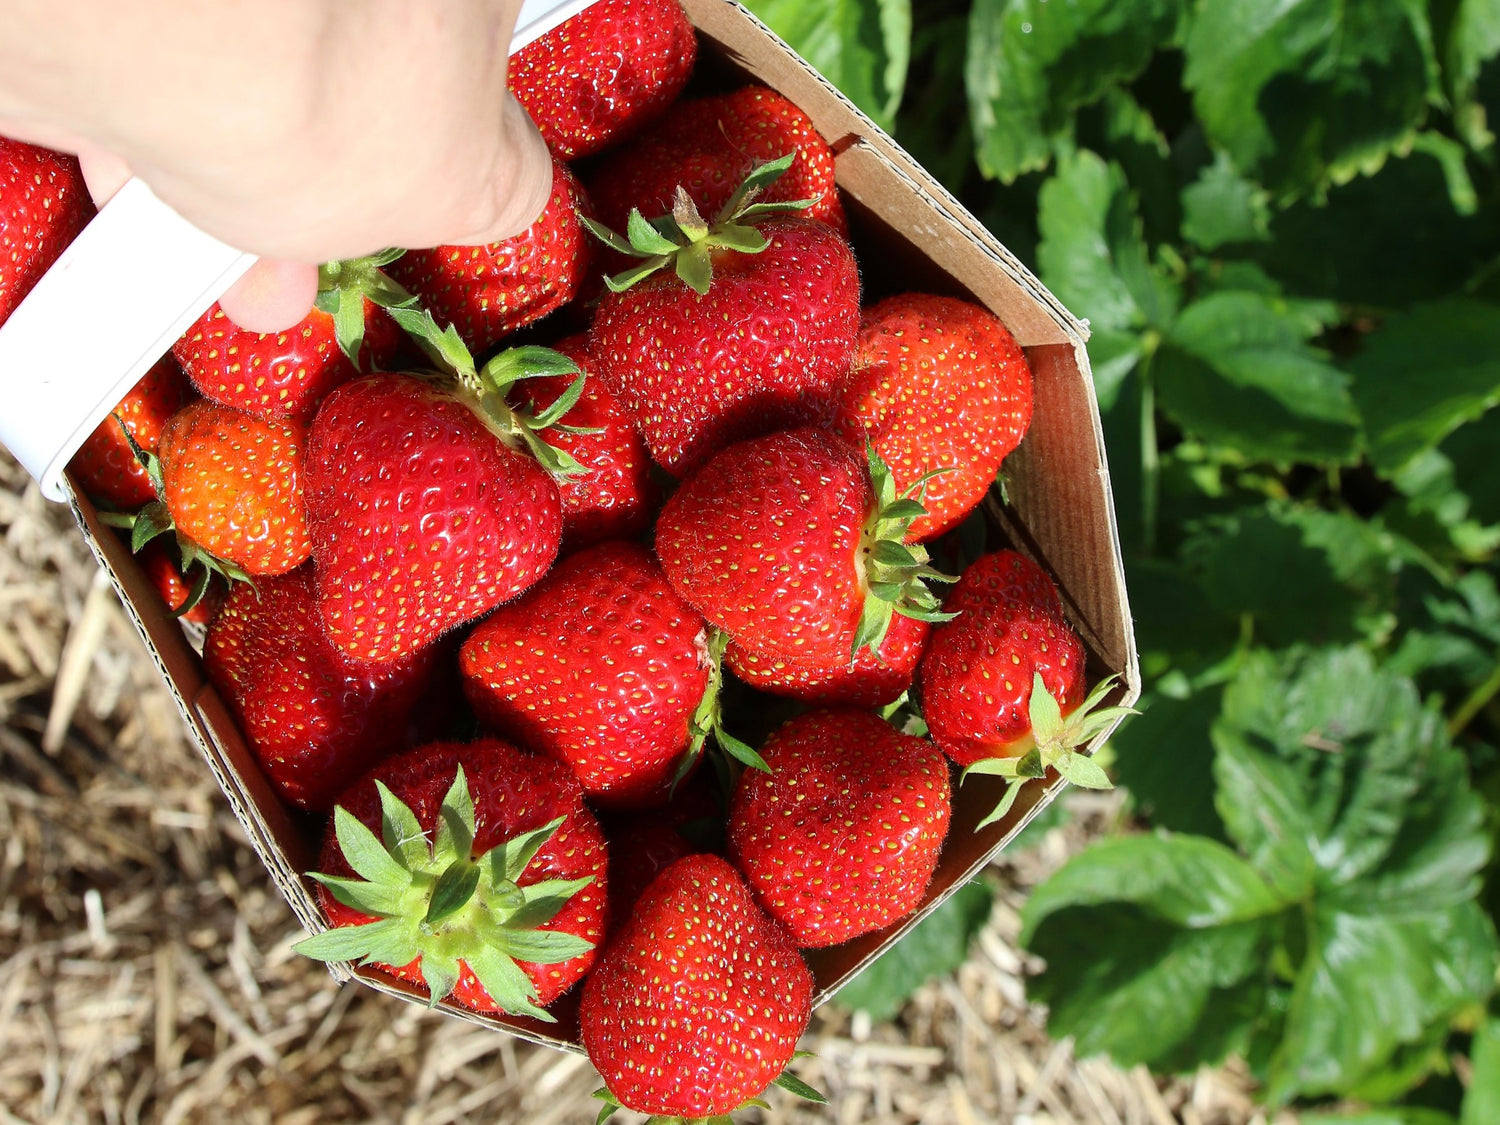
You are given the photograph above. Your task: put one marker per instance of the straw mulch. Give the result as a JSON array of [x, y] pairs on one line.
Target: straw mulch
[[148, 975]]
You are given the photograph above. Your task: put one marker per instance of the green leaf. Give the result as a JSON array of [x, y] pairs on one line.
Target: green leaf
[[861, 46], [1372, 982], [937, 945], [1141, 934], [345, 943], [1482, 1102], [1164, 757], [1222, 208], [645, 238], [1093, 253], [740, 751], [1237, 369], [1404, 213], [1302, 93], [506, 983], [377, 899], [1473, 41], [1084, 772], [1424, 373], [1032, 64], [364, 852], [508, 860], [455, 822], [545, 900], [452, 891], [794, 1085], [400, 830]]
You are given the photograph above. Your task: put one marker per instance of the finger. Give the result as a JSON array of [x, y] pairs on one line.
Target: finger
[[272, 296], [519, 182], [103, 172]]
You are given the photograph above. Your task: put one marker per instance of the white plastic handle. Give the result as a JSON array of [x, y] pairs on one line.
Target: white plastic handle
[[117, 299]]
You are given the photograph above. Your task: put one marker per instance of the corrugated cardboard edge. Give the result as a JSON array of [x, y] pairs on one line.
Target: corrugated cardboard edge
[[1043, 520]]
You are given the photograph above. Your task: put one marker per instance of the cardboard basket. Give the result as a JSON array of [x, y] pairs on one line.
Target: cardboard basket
[[909, 234]]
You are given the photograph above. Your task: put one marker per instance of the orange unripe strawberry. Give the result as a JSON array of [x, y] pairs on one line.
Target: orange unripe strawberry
[[233, 484]]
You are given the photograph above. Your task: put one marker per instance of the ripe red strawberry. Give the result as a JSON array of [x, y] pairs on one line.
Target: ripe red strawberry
[[870, 680], [106, 466], [486, 883], [707, 146], [698, 1003], [422, 517], [757, 351], [788, 544], [617, 497], [278, 374], [937, 383], [487, 292], [602, 75], [1002, 685], [194, 602], [314, 718], [44, 203], [601, 665], [233, 485], [842, 835]]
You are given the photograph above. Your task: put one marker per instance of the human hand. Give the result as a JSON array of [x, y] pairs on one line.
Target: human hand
[[299, 130]]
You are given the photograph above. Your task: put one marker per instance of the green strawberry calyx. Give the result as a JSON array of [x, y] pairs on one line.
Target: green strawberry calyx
[[343, 288], [1056, 738], [707, 721], [438, 901], [895, 573], [197, 564], [786, 1080], [686, 241], [487, 388]]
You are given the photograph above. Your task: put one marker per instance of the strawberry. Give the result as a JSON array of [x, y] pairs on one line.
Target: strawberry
[[842, 835], [698, 1002], [486, 883], [196, 601], [707, 146], [747, 334], [871, 680], [599, 77], [937, 383], [600, 665], [423, 518], [106, 465], [314, 718], [791, 544], [487, 292], [44, 203], [617, 497], [1002, 684], [233, 485], [279, 374]]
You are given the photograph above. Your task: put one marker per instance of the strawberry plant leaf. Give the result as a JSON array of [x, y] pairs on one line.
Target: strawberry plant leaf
[[1456, 346], [937, 945], [452, 891], [740, 751], [646, 239], [344, 943], [862, 46], [1482, 1100], [369, 898], [1237, 368], [541, 947], [544, 900], [1032, 65], [1093, 251], [1140, 935], [400, 830], [1222, 208], [508, 860], [455, 822], [506, 983], [1298, 107], [1473, 40]]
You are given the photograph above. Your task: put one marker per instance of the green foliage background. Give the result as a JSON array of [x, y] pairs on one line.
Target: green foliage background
[[1282, 221]]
